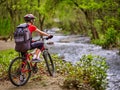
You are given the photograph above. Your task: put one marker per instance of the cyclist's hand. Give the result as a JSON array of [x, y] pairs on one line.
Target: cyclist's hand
[[50, 36]]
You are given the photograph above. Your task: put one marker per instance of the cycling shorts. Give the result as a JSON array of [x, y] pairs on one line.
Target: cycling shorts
[[37, 44]]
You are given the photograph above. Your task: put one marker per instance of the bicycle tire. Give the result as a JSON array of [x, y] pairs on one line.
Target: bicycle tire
[[15, 71], [49, 63]]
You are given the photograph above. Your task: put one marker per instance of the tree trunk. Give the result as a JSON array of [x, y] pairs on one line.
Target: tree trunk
[[41, 21], [90, 19], [13, 19], [41, 18], [94, 32], [101, 16], [83, 28]]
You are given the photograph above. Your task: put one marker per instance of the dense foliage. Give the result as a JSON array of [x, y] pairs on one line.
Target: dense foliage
[[87, 74], [5, 58], [87, 17]]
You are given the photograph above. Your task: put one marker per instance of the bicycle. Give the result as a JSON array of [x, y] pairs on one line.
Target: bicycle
[[20, 68]]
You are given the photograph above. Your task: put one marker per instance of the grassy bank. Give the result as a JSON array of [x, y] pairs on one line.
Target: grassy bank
[[5, 57], [89, 73]]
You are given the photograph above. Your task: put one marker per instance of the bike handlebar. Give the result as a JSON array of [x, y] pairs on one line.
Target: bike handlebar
[[46, 38], [49, 37]]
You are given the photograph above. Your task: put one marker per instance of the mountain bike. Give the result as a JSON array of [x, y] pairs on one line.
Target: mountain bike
[[20, 68]]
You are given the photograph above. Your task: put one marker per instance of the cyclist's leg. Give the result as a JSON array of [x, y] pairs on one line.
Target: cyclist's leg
[[39, 46]]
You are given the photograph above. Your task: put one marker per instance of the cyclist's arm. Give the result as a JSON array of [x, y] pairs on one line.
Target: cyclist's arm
[[41, 32]]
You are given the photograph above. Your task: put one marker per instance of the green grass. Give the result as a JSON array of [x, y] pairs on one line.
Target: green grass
[[5, 57]]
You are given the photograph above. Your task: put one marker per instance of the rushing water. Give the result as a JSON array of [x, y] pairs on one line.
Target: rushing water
[[71, 48]]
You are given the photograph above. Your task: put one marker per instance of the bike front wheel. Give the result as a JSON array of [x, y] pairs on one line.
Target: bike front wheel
[[49, 63], [19, 71]]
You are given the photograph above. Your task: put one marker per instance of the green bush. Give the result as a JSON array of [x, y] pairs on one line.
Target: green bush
[[5, 57], [61, 66], [110, 38], [98, 41], [89, 73]]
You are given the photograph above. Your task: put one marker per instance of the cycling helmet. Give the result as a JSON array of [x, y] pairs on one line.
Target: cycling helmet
[[29, 17]]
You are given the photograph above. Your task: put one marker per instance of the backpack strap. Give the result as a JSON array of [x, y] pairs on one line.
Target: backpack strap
[[24, 25]]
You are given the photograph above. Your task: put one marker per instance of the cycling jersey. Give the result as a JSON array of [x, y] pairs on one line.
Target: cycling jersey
[[37, 44], [32, 28]]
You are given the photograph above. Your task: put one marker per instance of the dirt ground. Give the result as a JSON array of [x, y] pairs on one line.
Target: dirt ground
[[49, 83], [6, 45]]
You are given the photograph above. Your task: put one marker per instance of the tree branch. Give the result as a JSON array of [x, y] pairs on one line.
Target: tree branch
[[2, 1]]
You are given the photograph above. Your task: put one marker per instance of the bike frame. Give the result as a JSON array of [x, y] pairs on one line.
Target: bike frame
[[28, 59], [24, 66]]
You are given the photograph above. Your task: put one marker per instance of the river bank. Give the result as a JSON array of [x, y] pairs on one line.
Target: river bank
[[47, 83], [72, 48]]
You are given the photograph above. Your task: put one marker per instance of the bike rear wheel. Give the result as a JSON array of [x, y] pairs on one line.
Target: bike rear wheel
[[49, 63], [19, 71]]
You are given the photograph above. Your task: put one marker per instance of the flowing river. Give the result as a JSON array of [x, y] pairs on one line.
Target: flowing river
[[71, 48]]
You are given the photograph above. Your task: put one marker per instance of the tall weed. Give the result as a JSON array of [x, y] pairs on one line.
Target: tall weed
[[5, 57]]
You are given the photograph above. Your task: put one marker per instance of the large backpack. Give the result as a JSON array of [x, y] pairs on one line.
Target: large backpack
[[22, 38]]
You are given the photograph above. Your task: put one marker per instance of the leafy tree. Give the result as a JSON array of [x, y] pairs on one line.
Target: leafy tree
[[13, 12], [87, 17]]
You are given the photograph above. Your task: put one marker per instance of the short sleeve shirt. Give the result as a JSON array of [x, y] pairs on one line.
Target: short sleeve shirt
[[32, 28]]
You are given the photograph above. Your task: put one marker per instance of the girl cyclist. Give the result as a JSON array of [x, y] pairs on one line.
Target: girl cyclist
[[29, 19]]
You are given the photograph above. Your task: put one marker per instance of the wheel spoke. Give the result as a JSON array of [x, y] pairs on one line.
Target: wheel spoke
[[19, 71], [49, 63]]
